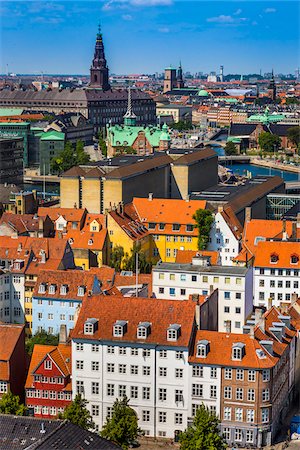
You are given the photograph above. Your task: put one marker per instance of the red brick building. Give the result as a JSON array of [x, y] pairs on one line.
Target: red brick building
[[48, 385], [12, 359]]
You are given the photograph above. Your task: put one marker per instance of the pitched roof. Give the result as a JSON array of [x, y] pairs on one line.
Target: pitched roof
[[69, 214], [283, 249], [21, 223], [60, 354], [163, 210], [160, 313], [9, 337], [186, 256], [129, 221], [130, 170], [93, 240], [195, 156], [232, 221]]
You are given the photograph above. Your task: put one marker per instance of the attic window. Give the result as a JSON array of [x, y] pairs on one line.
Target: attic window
[[63, 289], [71, 240], [42, 288], [202, 348], [173, 332], [81, 291], [151, 226], [238, 351], [189, 227], [294, 259], [90, 326], [274, 258], [120, 327], [90, 242], [143, 330], [52, 288]]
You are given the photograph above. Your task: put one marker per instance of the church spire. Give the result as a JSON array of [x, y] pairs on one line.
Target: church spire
[[180, 83], [99, 69], [129, 117]]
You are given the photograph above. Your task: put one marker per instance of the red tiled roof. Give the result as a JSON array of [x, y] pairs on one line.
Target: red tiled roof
[[186, 256], [106, 276], [21, 223], [283, 249], [93, 240], [9, 337], [70, 214], [129, 221], [160, 313]]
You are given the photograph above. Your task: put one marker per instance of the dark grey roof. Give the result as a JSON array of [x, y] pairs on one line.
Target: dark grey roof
[[5, 192], [293, 212], [214, 270], [245, 129], [18, 432]]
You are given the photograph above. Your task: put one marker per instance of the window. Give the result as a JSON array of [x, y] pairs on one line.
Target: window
[[274, 258], [134, 370], [162, 353], [162, 371], [178, 418], [265, 415], [228, 374], [48, 364], [201, 350], [239, 393], [227, 295], [168, 252], [197, 390], [216, 279], [175, 227], [80, 387], [162, 394], [213, 372], [146, 416], [110, 390], [237, 353], [227, 413], [110, 349], [79, 365], [205, 279], [172, 276], [178, 373], [172, 332], [251, 375], [179, 354], [110, 367], [266, 375], [239, 374], [95, 410], [227, 392], [122, 368], [3, 387], [161, 226], [238, 310], [161, 276], [95, 365], [119, 328], [161, 290], [151, 226], [146, 370], [146, 393], [227, 280], [213, 391], [226, 309], [226, 433], [261, 283], [194, 277], [62, 317], [249, 436], [122, 350], [95, 348], [251, 395], [80, 291], [272, 283], [182, 291], [239, 414], [265, 395], [197, 371], [162, 417], [109, 412], [172, 291], [238, 295], [134, 391], [178, 395], [238, 435]]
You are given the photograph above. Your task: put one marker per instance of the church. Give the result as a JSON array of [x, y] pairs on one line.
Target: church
[[98, 102]]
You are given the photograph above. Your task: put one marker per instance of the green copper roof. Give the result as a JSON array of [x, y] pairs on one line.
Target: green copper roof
[[16, 124], [226, 100], [266, 117], [10, 112], [125, 135], [53, 136], [235, 140], [202, 93]]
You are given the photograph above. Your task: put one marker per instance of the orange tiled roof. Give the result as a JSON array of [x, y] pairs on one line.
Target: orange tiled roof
[[70, 214], [9, 336], [129, 221], [283, 249], [93, 240], [232, 221], [21, 223], [4, 371], [127, 280], [186, 256], [167, 211], [100, 218], [106, 276], [61, 355], [160, 313]]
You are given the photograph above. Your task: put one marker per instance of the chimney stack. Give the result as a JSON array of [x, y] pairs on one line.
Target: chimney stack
[[298, 220], [294, 231], [284, 233], [150, 196], [248, 212], [228, 326], [63, 334]]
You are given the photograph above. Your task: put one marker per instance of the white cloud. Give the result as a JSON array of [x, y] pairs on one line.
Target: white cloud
[[226, 19], [51, 20], [126, 17], [150, 2], [238, 12], [164, 30], [121, 4], [270, 10]]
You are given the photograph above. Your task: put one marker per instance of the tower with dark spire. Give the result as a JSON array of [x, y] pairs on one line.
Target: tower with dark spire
[[129, 117], [272, 88], [99, 69], [180, 83]]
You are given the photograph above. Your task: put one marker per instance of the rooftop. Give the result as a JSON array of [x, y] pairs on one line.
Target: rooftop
[[216, 270]]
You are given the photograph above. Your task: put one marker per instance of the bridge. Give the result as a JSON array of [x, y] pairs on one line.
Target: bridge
[[240, 159], [292, 185], [33, 179]]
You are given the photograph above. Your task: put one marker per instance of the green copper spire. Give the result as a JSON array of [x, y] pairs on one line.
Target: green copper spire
[[129, 117]]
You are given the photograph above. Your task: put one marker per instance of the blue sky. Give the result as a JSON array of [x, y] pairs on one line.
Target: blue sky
[[144, 36]]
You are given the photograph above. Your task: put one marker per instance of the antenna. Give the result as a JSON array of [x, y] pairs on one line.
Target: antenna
[[136, 273]]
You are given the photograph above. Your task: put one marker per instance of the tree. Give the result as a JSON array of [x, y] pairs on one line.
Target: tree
[[129, 262], [292, 101], [203, 434], [230, 149], [10, 404], [43, 338], [69, 157], [122, 428], [182, 125], [78, 414], [204, 220], [116, 257], [102, 144], [293, 135], [268, 142]]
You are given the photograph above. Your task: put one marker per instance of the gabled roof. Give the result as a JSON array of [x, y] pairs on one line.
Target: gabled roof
[[194, 157], [186, 256], [129, 221], [93, 240], [232, 221], [69, 214], [160, 313], [130, 170], [284, 250], [20, 223], [9, 337]]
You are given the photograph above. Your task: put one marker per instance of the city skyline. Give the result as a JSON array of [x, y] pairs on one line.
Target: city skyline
[[202, 35]]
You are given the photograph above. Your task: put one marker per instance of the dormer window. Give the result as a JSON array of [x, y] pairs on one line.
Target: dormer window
[[238, 351], [175, 227], [71, 240], [90, 242], [274, 258], [90, 326], [189, 227], [294, 259], [52, 288], [173, 332], [48, 364], [202, 348], [81, 291], [143, 330], [120, 328], [42, 288], [63, 289], [151, 226]]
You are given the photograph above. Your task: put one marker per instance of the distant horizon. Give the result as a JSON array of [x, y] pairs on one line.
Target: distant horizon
[[145, 36]]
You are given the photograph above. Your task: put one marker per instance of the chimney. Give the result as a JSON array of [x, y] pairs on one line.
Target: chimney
[[187, 198], [286, 320], [63, 334], [270, 303], [228, 326], [284, 233], [197, 316], [267, 345], [278, 331], [298, 220], [220, 208], [258, 314], [42, 430], [294, 297], [43, 256], [19, 247], [294, 231], [247, 214], [150, 196]]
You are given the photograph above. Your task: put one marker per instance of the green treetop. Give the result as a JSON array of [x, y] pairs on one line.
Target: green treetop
[[230, 149], [269, 142], [204, 220], [43, 338], [122, 428], [69, 157], [10, 404], [293, 135], [78, 414], [203, 434]]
